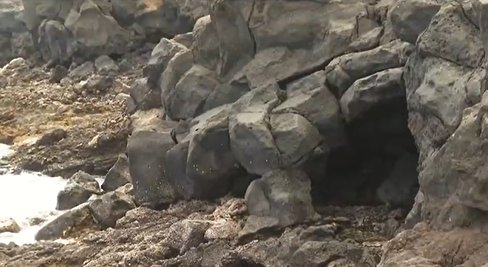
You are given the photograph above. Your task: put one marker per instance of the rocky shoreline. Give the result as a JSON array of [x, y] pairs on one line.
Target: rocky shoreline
[[251, 133]]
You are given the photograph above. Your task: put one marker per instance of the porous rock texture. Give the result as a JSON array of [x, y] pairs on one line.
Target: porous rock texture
[[292, 105]]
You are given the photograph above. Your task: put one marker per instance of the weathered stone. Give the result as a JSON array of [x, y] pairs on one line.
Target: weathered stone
[[343, 71], [82, 71], [162, 53], [310, 98], [410, 18], [372, 91], [80, 187], [176, 68], [462, 43], [118, 175], [316, 253], [96, 32], [294, 136], [437, 93], [235, 41], [143, 96], [282, 194], [110, 207], [206, 45], [55, 42], [67, 223], [190, 93], [147, 157], [106, 65], [58, 73], [9, 226], [186, 234], [251, 140], [185, 39], [211, 163], [223, 229], [255, 225]]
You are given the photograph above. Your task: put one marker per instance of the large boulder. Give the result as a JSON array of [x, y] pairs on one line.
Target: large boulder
[[206, 43], [310, 98], [442, 78], [250, 137], [143, 97], [118, 175], [190, 93], [236, 44], [282, 194], [147, 158], [177, 67], [286, 50], [343, 71], [110, 207], [55, 41], [66, 224], [203, 165], [372, 91], [294, 136], [410, 18], [96, 32], [162, 53], [80, 187]]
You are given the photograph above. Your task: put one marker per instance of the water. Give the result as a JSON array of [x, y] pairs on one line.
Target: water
[[25, 196]]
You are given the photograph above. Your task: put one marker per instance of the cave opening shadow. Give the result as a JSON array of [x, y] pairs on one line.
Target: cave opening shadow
[[378, 166]]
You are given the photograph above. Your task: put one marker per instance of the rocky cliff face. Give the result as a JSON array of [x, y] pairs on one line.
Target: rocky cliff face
[[292, 105]]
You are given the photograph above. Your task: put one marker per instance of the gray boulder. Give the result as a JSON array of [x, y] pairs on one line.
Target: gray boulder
[[236, 44], [310, 98], [95, 31], [55, 41], [464, 47], [251, 140], [176, 68], [147, 157], [446, 89], [118, 175], [143, 97], [162, 53], [106, 65], [67, 223], [294, 136], [202, 165], [110, 207], [410, 18], [343, 71], [206, 43], [190, 93], [186, 234], [282, 194], [372, 91], [80, 187]]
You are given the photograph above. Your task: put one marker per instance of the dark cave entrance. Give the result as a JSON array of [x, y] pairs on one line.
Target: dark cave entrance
[[378, 166]]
